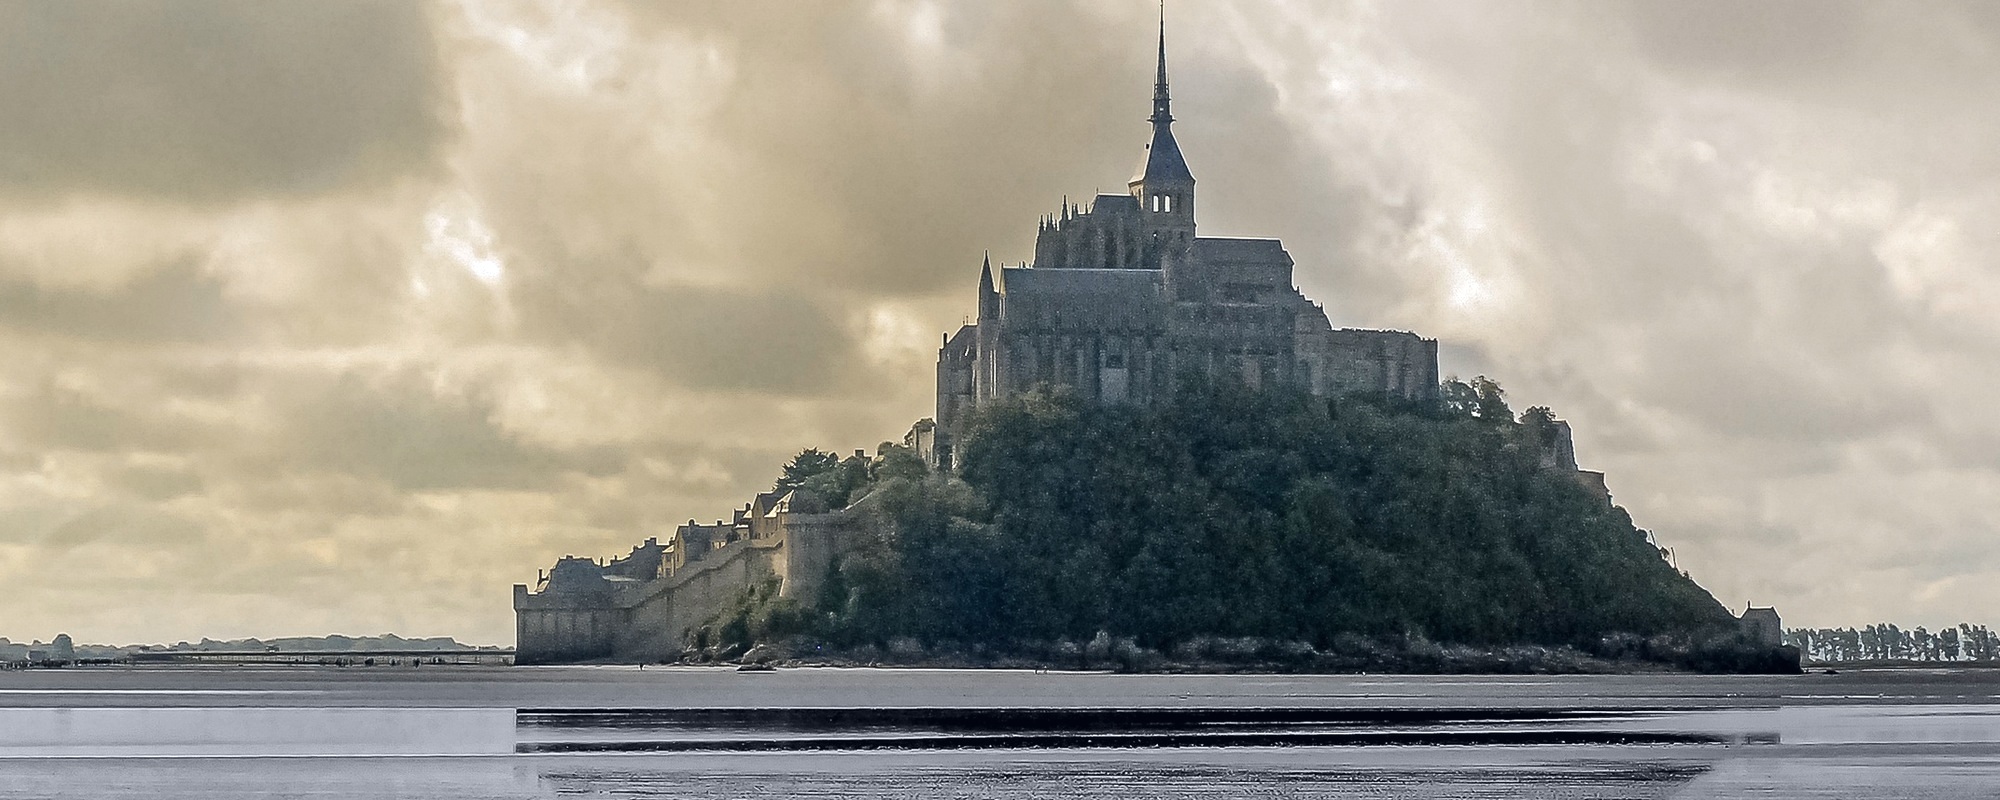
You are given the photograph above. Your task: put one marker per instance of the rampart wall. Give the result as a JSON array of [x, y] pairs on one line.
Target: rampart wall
[[628, 620], [658, 620]]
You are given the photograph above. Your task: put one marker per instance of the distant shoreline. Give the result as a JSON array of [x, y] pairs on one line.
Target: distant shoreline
[[37, 654]]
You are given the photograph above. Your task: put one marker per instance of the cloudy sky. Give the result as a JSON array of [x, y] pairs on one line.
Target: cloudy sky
[[347, 316]]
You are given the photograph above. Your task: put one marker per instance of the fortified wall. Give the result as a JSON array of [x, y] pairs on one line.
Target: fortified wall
[[641, 606]]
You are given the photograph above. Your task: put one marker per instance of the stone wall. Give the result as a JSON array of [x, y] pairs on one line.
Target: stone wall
[[1396, 363], [581, 615], [657, 621], [814, 543], [553, 628]]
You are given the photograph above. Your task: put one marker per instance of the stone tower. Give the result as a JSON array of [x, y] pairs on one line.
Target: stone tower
[[1163, 185]]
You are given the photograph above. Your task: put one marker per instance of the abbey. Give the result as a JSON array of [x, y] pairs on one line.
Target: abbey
[[1124, 298]]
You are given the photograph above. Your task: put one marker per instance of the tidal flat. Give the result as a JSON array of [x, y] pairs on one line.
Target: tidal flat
[[624, 732]]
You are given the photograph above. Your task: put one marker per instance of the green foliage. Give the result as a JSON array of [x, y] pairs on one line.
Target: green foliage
[[808, 464], [897, 462], [1887, 642], [824, 481], [1265, 514], [757, 613], [1481, 399]]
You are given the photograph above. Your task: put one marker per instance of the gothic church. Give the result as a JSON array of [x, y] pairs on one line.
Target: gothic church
[[1124, 297]]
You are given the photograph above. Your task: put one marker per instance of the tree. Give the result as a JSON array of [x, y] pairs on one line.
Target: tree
[[1458, 399], [898, 462], [808, 464], [1490, 401]]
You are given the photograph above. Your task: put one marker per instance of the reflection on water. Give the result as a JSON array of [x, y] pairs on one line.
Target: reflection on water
[[244, 778], [1072, 775], [251, 731], [875, 729], [213, 736], [1108, 778]]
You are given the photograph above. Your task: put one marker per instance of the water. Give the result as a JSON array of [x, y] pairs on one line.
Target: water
[[473, 732]]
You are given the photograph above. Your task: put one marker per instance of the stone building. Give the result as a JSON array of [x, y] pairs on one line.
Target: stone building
[[1760, 624], [1124, 298], [640, 606]]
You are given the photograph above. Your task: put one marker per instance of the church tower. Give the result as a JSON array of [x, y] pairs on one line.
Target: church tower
[[1163, 185], [1164, 188]]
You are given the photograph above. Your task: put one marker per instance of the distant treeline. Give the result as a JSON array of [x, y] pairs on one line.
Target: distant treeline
[[1886, 642], [1239, 514]]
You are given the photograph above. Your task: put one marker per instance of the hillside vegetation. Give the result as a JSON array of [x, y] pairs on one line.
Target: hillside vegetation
[[1241, 514]]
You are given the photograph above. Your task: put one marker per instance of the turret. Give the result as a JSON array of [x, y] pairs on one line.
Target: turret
[[989, 298]]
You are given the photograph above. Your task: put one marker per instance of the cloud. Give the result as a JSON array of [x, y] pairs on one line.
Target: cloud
[[783, 339], [61, 414], [173, 304], [209, 102], [407, 429]]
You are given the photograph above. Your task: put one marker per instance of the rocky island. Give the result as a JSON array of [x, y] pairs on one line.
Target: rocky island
[[1151, 451]]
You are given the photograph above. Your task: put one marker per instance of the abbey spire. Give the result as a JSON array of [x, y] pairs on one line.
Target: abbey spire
[[1163, 184], [1162, 104]]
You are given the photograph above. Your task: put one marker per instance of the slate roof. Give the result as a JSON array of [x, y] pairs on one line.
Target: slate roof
[[1068, 281], [1163, 161], [1210, 250], [1114, 204]]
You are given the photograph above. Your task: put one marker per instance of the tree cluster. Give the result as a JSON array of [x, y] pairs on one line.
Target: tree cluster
[[822, 481], [1886, 642], [1255, 514]]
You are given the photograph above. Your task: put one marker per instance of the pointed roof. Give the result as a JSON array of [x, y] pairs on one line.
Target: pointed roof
[[1163, 162], [989, 297], [1162, 110]]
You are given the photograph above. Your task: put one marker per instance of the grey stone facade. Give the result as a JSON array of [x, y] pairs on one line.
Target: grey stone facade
[[641, 606], [1559, 455], [1761, 625], [1124, 298]]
